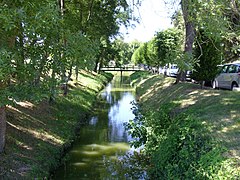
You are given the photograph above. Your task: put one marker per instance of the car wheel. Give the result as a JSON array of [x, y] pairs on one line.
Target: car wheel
[[234, 86], [214, 84]]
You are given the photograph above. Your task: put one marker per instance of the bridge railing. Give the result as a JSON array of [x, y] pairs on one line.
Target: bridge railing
[[121, 68]]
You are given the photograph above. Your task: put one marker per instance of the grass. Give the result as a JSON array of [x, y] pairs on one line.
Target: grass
[[217, 109], [38, 134]]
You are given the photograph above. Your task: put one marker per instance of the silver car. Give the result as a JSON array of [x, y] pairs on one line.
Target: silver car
[[229, 77]]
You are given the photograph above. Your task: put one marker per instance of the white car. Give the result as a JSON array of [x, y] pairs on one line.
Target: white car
[[172, 71], [229, 77]]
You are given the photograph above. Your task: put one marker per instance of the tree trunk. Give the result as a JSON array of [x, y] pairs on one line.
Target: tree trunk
[[189, 37], [76, 72], [70, 71], [96, 68], [181, 76], [202, 84], [39, 71], [2, 127], [20, 64]]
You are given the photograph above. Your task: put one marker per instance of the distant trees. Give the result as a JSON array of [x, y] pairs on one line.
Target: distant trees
[[139, 54], [162, 49], [169, 45], [122, 51]]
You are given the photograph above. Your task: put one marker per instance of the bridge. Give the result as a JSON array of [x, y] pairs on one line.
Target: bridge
[[122, 68]]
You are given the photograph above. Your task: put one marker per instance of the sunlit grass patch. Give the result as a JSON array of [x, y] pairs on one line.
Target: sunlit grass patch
[[139, 76]]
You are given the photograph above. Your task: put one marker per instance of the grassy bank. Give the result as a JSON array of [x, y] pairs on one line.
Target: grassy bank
[[192, 117], [38, 134]]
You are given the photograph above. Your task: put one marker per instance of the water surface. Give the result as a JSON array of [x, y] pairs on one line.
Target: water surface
[[104, 137]]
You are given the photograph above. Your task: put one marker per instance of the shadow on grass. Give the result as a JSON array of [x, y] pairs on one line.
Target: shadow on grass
[[37, 134]]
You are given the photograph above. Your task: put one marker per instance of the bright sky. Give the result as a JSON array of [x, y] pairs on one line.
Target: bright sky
[[154, 17]]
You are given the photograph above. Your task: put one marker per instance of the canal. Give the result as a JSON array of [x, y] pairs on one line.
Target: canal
[[104, 138]]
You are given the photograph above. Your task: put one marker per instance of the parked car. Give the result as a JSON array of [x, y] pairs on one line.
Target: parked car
[[229, 77], [172, 71], [188, 75]]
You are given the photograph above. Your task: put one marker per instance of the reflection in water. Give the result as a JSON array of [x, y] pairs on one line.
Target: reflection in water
[[105, 137], [107, 93], [119, 114], [93, 120]]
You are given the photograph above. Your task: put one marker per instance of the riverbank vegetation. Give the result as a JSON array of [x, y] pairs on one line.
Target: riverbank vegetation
[[39, 133], [187, 132]]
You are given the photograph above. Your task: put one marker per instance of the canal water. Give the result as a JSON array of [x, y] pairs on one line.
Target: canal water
[[104, 137]]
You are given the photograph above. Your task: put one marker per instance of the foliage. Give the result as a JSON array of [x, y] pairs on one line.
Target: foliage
[[80, 50], [168, 44], [232, 37], [209, 55], [42, 42], [164, 48], [152, 54], [123, 51], [178, 21], [136, 57], [179, 146], [27, 46], [220, 21]]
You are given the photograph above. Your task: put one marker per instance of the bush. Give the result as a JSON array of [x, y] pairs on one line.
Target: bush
[[179, 147]]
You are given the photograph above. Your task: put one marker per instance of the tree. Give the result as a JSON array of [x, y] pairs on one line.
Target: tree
[[140, 55], [164, 48], [210, 55], [136, 57], [188, 16], [121, 52], [198, 14], [25, 30], [168, 44], [232, 38], [152, 53]]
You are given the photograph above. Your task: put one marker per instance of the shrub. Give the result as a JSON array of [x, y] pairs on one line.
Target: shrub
[[209, 55], [179, 147]]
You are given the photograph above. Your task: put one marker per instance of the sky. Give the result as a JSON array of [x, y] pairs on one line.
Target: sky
[[154, 17]]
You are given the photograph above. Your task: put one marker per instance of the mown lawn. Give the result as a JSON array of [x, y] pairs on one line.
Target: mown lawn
[[217, 109], [38, 134]]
